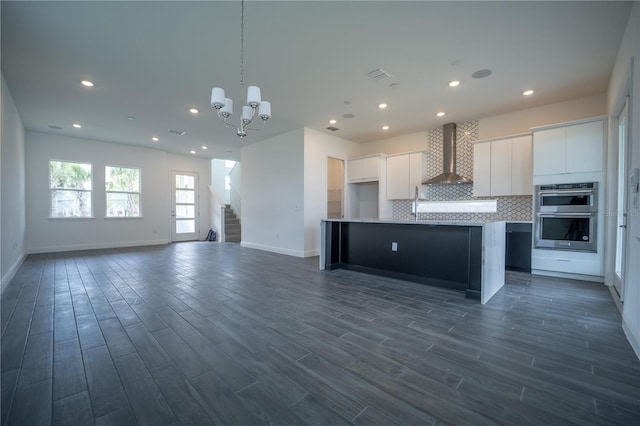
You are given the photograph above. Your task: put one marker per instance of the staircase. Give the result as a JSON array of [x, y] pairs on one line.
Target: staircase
[[231, 225]]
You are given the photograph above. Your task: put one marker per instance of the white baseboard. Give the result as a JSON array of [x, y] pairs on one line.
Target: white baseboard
[[592, 278], [273, 249], [95, 246], [6, 279], [634, 339]]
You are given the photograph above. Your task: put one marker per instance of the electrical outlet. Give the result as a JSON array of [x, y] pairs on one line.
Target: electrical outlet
[[394, 246]]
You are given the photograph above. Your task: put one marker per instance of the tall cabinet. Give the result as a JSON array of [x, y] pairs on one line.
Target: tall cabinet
[[572, 152]]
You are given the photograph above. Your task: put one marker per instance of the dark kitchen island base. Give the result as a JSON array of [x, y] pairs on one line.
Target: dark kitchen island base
[[461, 256]]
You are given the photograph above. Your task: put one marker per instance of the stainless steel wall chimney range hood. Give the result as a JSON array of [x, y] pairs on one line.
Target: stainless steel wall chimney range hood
[[448, 175]]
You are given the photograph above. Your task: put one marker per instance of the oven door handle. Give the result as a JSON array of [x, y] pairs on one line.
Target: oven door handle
[[568, 192], [563, 214]]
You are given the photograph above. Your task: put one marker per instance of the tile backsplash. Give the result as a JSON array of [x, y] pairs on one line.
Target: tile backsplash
[[515, 208]]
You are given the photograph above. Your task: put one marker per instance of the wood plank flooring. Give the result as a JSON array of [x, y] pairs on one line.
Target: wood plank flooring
[[207, 333]]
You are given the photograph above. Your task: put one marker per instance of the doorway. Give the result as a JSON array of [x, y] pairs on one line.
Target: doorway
[[621, 206], [184, 202], [335, 188]]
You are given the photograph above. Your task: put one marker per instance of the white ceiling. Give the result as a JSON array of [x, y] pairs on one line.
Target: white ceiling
[[154, 60]]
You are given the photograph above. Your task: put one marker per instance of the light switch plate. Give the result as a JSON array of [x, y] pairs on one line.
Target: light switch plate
[[394, 246]]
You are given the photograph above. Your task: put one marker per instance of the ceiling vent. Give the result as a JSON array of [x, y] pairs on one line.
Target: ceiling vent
[[332, 128], [378, 74], [178, 132]]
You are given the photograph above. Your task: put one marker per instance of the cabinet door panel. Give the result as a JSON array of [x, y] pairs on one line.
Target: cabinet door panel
[[415, 171], [482, 169], [370, 167], [501, 167], [398, 177], [521, 166], [585, 147], [354, 169], [549, 151]]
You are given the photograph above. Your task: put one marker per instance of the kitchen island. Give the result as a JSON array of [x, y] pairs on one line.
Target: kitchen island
[[462, 256]]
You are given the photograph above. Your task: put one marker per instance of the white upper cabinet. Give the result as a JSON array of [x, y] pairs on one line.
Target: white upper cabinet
[[365, 169], [502, 167], [482, 169], [522, 165], [404, 173], [571, 148]]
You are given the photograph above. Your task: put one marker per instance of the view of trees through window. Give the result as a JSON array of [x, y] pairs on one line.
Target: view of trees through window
[[122, 185], [70, 184]]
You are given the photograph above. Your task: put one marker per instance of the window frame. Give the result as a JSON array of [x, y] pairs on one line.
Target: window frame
[[89, 191], [107, 192]]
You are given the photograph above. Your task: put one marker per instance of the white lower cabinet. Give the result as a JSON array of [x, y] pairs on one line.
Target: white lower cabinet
[[567, 262]]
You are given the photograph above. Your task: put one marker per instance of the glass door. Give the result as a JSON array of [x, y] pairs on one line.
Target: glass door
[[184, 214], [621, 208]]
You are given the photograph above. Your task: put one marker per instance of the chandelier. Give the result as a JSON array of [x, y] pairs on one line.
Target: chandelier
[[254, 104]]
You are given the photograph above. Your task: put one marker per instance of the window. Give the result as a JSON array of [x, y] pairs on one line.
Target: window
[[70, 184], [122, 186]]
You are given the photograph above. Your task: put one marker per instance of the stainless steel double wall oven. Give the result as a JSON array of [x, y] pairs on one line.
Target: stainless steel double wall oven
[[566, 216]]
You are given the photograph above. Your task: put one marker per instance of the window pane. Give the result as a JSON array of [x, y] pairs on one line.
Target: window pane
[[185, 226], [70, 203], [122, 204], [67, 175], [185, 182], [187, 212], [185, 196], [123, 179]]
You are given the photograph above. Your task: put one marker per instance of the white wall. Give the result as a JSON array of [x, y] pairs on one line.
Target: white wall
[[521, 121], [49, 235], [218, 173], [501, 125], [621, 79], [273, 194], [318, 147], [235, 194], [12, 203]]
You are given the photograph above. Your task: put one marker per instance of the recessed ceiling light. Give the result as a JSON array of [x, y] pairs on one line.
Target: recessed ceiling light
[[86, 83], [131, 118], [528, 92], [385, 127], [454, 83], [193, 110], [204, 147], [192, 151], [333, 121], [440, 114], [382, 106], [155, 139], [76, 125]]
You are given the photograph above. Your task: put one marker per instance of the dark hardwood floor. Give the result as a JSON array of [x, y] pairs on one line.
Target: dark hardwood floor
[[207, 333]]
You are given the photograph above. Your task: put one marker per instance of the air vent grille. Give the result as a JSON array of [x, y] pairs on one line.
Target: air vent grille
[[178, 132], [332, 128], [378, 74]]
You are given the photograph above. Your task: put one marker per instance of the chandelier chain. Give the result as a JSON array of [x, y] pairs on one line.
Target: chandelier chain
[[242, 43]]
